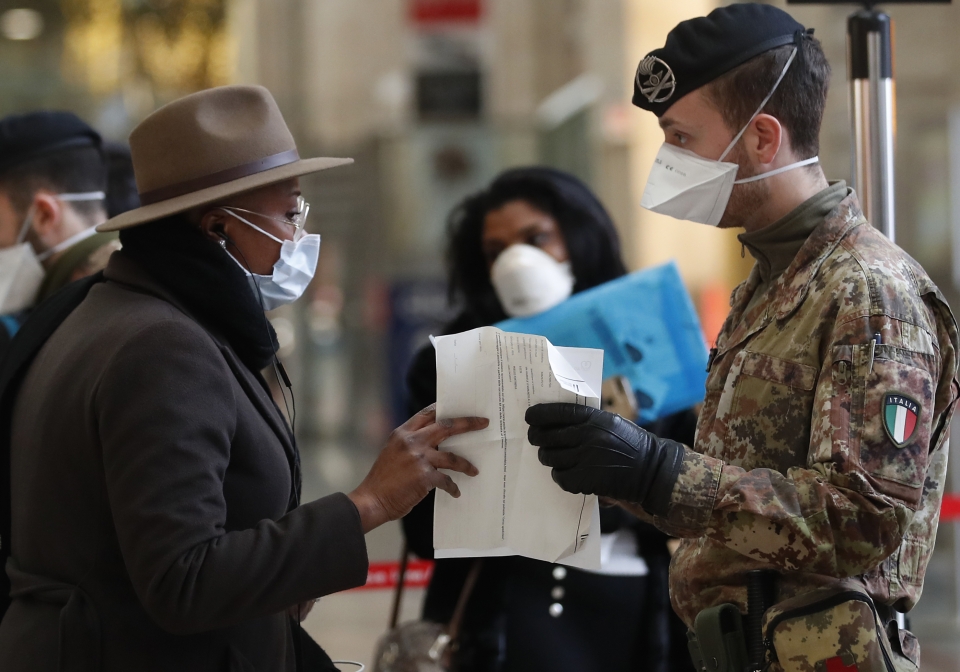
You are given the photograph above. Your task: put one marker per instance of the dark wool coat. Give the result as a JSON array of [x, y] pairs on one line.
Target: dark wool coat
[[153, 506]]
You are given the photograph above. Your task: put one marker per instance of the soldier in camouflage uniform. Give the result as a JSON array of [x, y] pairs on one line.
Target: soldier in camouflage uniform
[[821, 449]]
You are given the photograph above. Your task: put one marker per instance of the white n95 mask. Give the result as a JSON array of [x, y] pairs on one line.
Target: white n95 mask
[[685, 185], [21, 274], [528, 281], [292, 272], [20, 277]]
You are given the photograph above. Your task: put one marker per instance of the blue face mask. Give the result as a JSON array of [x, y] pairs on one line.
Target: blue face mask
[[292, 272]]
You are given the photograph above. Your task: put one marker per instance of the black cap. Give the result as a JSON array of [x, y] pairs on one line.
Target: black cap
[[26, 136], [700, 50]]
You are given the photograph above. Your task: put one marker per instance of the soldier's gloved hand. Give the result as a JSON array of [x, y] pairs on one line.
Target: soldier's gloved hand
[[600, 453]]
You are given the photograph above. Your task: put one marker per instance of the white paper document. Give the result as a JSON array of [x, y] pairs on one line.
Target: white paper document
[[513, 507]]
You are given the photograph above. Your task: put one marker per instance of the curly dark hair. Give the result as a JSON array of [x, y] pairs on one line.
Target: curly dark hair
[[587, 229]]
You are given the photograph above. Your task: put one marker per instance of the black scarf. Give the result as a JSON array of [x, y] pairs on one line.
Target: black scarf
[[202, 276]]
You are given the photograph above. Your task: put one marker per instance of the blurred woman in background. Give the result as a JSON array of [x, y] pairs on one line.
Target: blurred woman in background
[[521, 246]]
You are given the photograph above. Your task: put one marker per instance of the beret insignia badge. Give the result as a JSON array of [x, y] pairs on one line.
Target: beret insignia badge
[[659, 84]]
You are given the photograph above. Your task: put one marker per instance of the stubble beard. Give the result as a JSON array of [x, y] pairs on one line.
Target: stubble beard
[[745, 199]]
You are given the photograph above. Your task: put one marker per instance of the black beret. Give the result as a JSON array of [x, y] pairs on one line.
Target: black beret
[[26, 136], [700, 50]]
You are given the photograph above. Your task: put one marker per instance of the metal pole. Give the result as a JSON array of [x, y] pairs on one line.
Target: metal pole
[[870, 64], [872, 106]]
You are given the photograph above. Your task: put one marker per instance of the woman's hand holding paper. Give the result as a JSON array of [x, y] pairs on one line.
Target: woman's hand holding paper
[[408, 467]]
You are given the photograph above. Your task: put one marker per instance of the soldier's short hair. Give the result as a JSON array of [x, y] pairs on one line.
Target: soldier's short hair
[[74, 170], [798, 102]]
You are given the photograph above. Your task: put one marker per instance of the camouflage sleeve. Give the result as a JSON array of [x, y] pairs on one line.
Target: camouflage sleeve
[[880, 417]]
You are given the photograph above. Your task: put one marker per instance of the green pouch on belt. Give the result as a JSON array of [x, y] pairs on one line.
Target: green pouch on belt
[[827, 630]]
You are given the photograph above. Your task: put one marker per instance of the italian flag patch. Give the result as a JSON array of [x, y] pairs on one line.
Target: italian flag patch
[[900, 415]]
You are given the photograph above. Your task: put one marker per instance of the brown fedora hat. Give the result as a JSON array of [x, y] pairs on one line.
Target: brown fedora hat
[[207, 146]]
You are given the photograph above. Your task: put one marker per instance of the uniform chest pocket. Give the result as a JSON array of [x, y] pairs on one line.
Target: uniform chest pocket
[[892, 414], [767, 423]]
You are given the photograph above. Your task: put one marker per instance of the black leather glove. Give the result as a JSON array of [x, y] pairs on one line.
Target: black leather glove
[[599, 453]]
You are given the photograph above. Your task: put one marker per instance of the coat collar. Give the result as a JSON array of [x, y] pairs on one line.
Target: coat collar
[[791, 288], [123, 270]]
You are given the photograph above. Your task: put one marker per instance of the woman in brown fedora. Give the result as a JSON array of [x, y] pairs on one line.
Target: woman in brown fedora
[[156, 522]]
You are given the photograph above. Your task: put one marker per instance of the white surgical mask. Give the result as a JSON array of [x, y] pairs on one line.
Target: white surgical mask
[[685, 185], [21, 273], [528, 281], [292, 272]]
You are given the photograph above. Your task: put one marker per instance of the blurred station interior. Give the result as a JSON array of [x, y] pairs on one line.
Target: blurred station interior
[[433, 98]]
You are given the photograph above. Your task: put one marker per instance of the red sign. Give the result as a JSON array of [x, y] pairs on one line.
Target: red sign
[[445, 11], [385, 575], [837, 664], [950, 509]]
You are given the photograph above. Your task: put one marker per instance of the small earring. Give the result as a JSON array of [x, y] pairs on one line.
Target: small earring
[[223, 243]]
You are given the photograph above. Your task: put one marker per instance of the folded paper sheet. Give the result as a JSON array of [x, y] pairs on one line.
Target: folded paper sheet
[[513, 507]]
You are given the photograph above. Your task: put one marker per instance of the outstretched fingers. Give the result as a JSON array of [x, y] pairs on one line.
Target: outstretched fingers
[[426, 433], [435, 433], [423, 418], [442, 459], [443, 482]]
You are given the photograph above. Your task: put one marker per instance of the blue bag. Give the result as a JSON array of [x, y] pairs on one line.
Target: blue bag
[[648, 330]]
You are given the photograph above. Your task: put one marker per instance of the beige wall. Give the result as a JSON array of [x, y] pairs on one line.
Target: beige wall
[[338, 68], [354, 49], [511, 92]]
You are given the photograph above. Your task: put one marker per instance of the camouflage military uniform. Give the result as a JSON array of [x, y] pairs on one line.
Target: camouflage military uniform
[[803, 460]]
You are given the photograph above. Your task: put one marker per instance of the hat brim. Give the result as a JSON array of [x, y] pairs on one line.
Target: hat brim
[[172, 206]]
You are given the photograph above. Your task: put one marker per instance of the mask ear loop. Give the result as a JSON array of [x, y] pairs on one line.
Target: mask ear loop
[[798, 164], [83, 196], [68, 243], [762, 105], [253, 226], [282, 378]]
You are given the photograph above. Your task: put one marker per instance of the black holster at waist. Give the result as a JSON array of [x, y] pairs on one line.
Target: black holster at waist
[[79, 644]]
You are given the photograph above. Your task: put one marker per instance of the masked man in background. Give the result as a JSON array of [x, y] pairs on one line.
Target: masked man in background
[[53, 179], [820, 453]]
